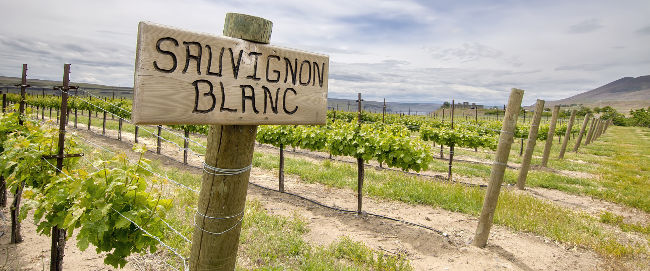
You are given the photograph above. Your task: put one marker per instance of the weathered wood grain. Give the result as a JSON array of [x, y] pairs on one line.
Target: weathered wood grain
[[266, 85]]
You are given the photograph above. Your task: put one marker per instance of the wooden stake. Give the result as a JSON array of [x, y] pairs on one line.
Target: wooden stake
[[59, 235], [383, 112], [521, 147], [135, 136], [23, 86], [582, 132], [476, 121], [16, 237], [360, 168], [599, 128], [594, 136], [119, 129], [186, 145], [498, 168], [530, 145], [103, 124], [451, 146], [549, 137], [281, 169], [215, 241], [3, 192], [158, 140], [590, 134], [567, 134]]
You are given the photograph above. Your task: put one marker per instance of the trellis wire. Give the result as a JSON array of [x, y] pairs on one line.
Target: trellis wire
[[150, 132], [124, 110], [161, 219], [152, 172], [184, 259]]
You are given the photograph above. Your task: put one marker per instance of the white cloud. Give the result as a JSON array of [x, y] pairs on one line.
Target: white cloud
[[414, 51]]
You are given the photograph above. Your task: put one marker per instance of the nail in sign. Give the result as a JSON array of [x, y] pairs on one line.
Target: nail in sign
[[183, 77]]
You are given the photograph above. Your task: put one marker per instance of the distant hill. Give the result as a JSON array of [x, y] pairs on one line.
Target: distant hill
[[38, 86], [623, 94]]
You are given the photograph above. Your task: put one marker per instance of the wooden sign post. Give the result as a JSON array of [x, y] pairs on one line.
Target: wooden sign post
[[236, 82]]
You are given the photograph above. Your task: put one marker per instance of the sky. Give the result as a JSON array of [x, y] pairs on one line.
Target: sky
[[404, 51]]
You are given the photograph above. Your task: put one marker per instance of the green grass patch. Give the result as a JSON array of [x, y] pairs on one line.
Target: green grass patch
[[517, 211]]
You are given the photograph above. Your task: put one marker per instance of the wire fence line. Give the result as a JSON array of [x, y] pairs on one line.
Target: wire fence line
[[129, 112], [142, 127]]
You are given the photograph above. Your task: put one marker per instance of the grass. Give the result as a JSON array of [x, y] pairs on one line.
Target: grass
[[271, 242], [617, 220], [620, 160], [517, 211]]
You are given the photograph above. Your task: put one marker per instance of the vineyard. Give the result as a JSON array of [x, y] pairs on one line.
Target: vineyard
[[132, 191]]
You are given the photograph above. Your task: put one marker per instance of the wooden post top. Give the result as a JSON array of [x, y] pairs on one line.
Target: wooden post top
[[247, 27]]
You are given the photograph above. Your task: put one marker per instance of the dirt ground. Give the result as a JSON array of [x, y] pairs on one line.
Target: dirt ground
[[426, 249], [34, 252]]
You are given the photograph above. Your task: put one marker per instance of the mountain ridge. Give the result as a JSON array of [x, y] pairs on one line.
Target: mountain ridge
[[623, 94]]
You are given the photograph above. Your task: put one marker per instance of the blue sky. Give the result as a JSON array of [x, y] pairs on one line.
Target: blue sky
[[406, 51]]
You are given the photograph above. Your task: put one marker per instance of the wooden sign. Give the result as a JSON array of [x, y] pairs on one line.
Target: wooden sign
[[183, 77]]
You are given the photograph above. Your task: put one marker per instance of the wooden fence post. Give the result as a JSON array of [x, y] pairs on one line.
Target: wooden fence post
[[16, 237], [103, 124], [90, 112], [582, 132], [281, 169], [186, 144], [590, 134], [599, 129], [383, 112], [530, 145], [549, 137], [360, 168], [59, 235], [119, 129], [451, 146], [521, 147], [158, 139], [498, 168], [596, 128], [215, 241], [567, 134], [135, 136], [476, 122], [23, 86]]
